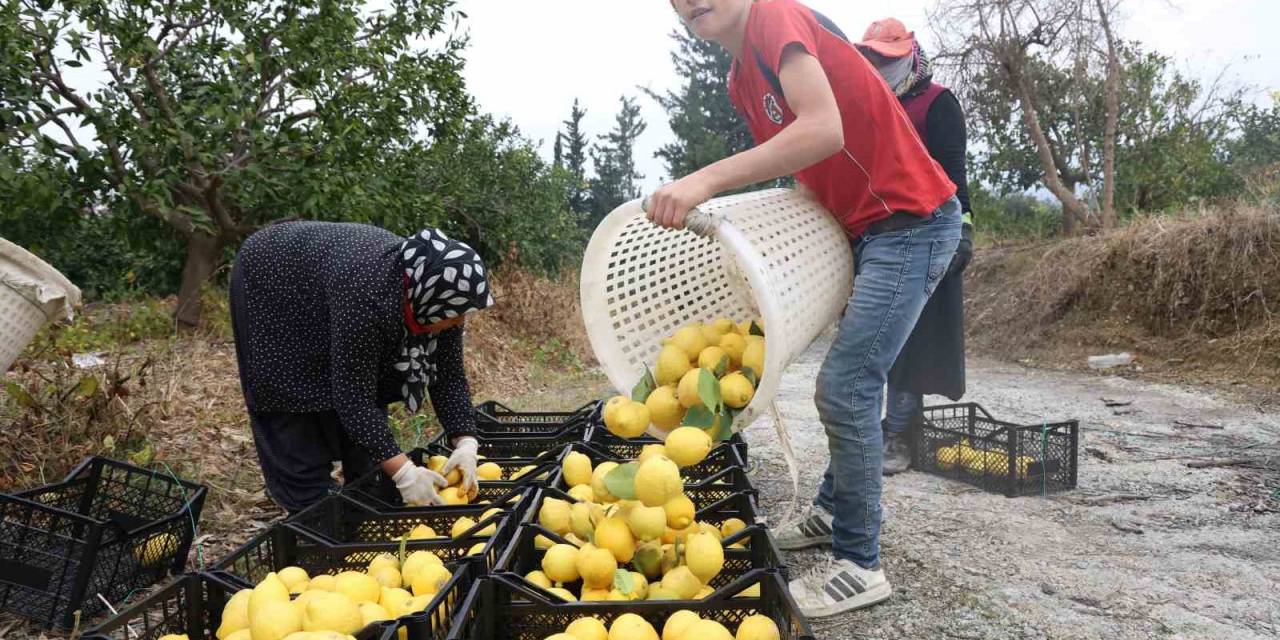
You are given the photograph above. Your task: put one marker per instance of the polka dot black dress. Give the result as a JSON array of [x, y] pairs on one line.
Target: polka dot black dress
[[327, 320]]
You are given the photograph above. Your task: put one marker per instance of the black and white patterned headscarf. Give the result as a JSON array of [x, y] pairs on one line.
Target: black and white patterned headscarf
[[444, 279]]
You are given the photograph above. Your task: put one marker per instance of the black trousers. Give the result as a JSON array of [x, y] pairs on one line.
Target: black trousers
[[296, 452]]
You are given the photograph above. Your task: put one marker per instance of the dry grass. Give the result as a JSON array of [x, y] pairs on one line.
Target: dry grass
[[1204, 285], [175, 399]]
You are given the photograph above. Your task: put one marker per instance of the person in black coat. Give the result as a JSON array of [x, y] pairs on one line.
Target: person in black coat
[[334, 322], [932, 361]]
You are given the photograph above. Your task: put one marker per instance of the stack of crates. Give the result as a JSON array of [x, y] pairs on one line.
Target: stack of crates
[[488, 555]]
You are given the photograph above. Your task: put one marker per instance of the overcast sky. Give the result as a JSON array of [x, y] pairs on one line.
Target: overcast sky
[[529, 59]]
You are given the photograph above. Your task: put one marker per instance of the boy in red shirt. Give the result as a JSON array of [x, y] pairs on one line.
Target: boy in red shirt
[[819, 111]]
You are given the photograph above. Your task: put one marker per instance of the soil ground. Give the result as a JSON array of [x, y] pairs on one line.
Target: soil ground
[[1146, 546]]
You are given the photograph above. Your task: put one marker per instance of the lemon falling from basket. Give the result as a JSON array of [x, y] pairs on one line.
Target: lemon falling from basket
[[705, 374]]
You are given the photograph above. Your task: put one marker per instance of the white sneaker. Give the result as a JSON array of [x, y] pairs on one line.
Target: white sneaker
[[838, 586], [811, 530]]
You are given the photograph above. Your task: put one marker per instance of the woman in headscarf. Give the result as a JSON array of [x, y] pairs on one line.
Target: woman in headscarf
[[932, 362], [333, 322]]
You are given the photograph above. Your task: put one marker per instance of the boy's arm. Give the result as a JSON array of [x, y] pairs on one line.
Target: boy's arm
[[816, 134]]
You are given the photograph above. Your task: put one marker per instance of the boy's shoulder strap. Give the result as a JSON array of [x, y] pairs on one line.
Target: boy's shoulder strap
[[771, 76]]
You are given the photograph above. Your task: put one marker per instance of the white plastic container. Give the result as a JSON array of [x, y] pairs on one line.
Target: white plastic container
[[31, 294], [773, 255]]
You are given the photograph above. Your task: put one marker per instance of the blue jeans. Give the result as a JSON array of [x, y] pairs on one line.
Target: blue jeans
[[900, 409], [896, 273]]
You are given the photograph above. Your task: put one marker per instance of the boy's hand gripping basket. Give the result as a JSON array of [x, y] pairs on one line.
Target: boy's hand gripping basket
[[773, 255]]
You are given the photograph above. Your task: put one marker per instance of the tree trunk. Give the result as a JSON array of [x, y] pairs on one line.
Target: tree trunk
[[1073, 210], [203, 252], [1112, 90]]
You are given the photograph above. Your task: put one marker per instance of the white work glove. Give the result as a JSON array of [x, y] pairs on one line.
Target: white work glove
[[417, 485], [464, 459]]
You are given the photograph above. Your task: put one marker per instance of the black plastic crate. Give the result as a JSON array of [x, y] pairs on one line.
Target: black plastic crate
[[495, 416], [107, 530], [287, 545], [630, 447], [378, 491], [499, 608], [722, 468], [964, 442], [342, 520]]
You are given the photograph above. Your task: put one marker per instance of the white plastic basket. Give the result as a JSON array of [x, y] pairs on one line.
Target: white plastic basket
[[769, 254], [31, 294]]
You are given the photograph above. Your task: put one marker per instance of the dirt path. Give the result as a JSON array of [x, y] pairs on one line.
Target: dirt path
[[968, 564]]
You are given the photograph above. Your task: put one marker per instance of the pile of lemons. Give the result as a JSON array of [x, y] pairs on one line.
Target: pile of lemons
[[681, 625], [980, 461], [649, 547], [704, 373]]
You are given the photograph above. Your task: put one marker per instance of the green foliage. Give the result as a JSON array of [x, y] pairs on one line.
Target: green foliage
[[1012, 217], [617, 180], [221, 116], [572, 143], [109, 329]]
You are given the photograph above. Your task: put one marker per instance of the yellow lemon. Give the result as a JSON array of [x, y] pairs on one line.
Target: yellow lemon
[[415, 563], [460, 526], [596, 568], [451, 496], [736, 390], [489, 471], [542, 542], [555, 515], [711, 357], [539, 578], [430, 580], [758, 627], [723, 325], [322, 583], [752, 591], [597, 481], [587, 629], [243, 634], [422, 532], [704, 555], [292, 577], [660, 593], [651, 451], [687, 392], [393, 600], [678, 623], [690, 340], [672, 363], [657, 480], [647, 523], [731, 526], [612, 405], [614, 534], [563, 594], [688, 446], [156, 549], [360, 587], [436, 463], [753, 356], [332, 612], [708, 630], [734, 346], [630, 626], [629, 421], [371, 612], [271, 589], [665, 410], [560, 563], [386, 576], [577, 469], [274, 620], [582, 493], [680, 511], [235, 614], [682, 582], [383, 560]]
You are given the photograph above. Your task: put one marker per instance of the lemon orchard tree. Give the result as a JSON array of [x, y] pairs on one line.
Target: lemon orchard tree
[[218, 116]]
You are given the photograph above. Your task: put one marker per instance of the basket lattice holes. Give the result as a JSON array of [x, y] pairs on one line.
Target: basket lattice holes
[[775, 256]]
